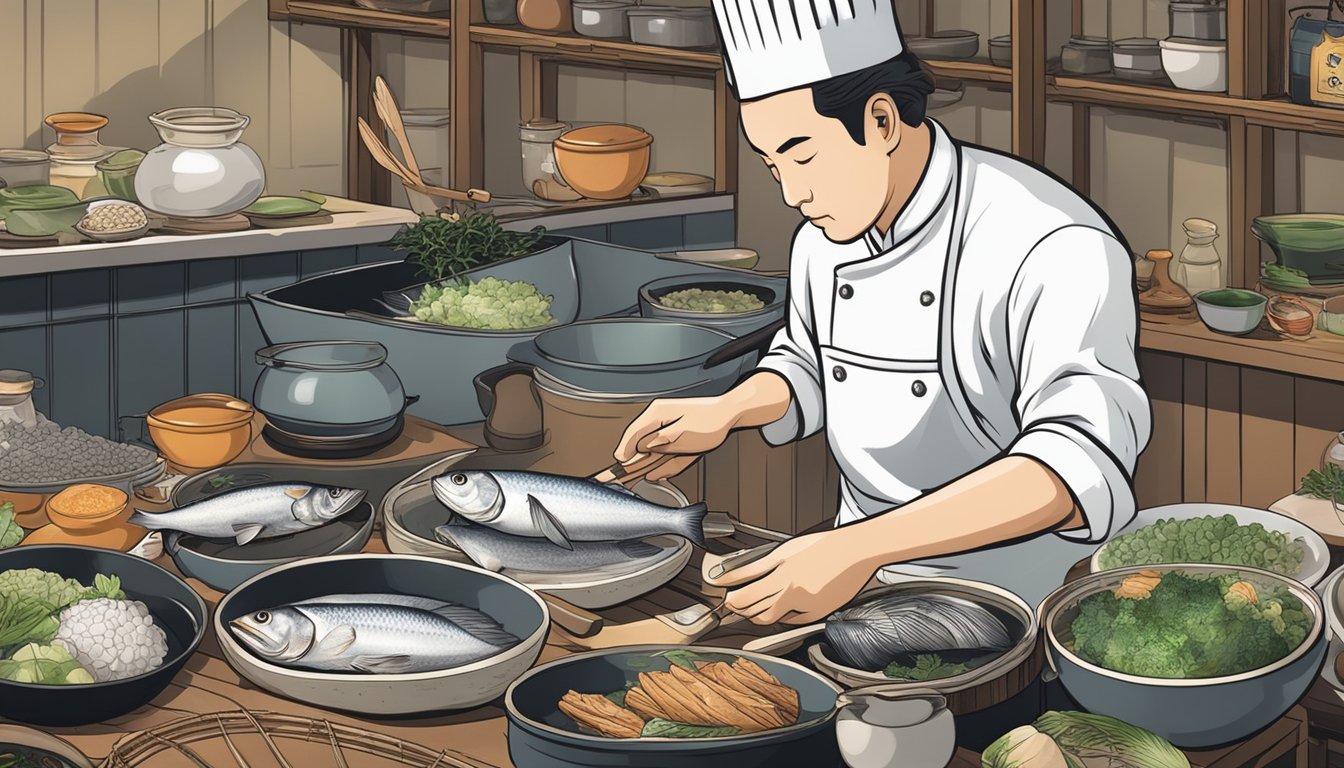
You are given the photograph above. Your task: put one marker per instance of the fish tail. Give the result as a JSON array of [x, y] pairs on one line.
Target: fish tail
[[691, 523], [143, 519]]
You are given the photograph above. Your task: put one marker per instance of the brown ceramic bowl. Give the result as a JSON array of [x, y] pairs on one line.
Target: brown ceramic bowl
[[1291, 315], [604, 162], [201, 431], [64, 512]]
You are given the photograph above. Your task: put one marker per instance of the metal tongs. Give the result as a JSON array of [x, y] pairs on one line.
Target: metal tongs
[[409, 172]]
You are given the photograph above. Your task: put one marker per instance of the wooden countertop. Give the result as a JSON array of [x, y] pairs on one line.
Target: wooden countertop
[[1321, 356]]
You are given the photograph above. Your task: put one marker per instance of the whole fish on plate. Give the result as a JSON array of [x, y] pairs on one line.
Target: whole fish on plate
[[869, 635], [563, 509], [497, 551], [257, 512], [375, 633]]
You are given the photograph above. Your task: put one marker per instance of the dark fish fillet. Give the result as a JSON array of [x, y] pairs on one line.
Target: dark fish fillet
[[870, 635]]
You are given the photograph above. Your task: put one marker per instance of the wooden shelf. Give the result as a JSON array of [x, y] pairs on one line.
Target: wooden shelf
[[1272, 113], [591, 48], [340, 15], [972, 71], [1320, 357]]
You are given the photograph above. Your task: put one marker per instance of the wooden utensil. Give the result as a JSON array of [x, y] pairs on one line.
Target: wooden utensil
[[783, 642], [384, 157], [386, 105], [631, 471], [575, 620]]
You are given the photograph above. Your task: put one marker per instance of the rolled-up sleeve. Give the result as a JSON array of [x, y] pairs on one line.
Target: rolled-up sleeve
[[1073, 328], [793, 355]]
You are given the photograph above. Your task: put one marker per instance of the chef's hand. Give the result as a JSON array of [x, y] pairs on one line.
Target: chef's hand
[[802, 581], [687, 426]]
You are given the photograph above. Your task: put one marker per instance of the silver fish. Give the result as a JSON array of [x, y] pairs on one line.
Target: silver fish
[[496, 551], [259, 512], [869, 635], [375, 633], [562, 509]]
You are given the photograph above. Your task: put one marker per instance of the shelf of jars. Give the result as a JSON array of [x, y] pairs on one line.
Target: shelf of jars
[[342, 14]]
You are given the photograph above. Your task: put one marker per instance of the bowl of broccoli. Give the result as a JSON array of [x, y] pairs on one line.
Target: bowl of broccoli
[[1200, 654]]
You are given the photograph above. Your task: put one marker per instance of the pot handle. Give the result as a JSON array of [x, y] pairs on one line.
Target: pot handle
[[487, 380], [745, 343], [410, 400]]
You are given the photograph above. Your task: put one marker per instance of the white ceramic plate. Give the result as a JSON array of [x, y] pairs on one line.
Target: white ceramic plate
[[1314, 565]]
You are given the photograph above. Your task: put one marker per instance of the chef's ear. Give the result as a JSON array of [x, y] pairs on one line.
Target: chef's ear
[[883, 122]]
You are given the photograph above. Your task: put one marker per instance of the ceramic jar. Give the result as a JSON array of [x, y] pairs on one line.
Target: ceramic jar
[[76, 152], [1200, 268], [546, 15], [201, 169], [329, 389]]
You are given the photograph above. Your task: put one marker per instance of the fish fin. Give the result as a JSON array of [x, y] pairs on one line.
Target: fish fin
[[336, 642], [547, 524], [390, 664], [482, 626], [296, 492], [245, 533], [144, 520], [618, 487], [691, 523], [637, 549]]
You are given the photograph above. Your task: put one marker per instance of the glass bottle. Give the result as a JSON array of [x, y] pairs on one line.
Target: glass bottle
[[16, 398], [1200, 268]]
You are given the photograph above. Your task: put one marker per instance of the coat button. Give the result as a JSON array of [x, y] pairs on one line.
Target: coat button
[[918, 388], [926, 298], [846, 291], [838, 372]]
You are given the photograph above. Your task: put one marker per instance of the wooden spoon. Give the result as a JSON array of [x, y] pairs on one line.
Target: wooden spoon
[[386, 105]]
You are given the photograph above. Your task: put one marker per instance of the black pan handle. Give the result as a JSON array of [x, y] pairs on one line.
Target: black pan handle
[[745, 343], [487, 380]]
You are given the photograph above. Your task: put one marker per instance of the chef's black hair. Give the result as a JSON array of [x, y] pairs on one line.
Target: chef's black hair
[[845, 97]]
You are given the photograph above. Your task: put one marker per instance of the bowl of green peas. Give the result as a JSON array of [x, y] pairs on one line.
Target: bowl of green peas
[[734, 303], [1225, 534]]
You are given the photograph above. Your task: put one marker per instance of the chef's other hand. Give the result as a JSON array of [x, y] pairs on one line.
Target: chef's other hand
[[802, 581], [686, 426]]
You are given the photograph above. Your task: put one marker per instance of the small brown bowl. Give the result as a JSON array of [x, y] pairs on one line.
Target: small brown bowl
[[604, 162], [201, 431], [1290, 315], [61, 513]]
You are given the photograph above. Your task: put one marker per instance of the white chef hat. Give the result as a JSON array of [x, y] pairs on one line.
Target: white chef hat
[[771, 46]]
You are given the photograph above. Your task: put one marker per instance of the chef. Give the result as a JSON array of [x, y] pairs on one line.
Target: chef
[[960, 323]]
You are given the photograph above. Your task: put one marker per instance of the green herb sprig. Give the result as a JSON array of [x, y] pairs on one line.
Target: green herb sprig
[[1327, 483], [444, 248]]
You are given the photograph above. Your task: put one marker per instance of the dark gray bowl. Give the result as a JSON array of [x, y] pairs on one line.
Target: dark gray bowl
[[768, 290], [1190, 713], [176, 608], [223, 564], [541, 736]]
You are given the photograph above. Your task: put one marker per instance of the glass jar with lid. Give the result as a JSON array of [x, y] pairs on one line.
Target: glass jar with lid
[[202, 168], [1200, 268], [77, 151], [16, 397], [1084, 55]]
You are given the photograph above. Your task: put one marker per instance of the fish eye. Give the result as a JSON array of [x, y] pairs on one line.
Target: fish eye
[[263, 617], [337, 493], [459, 479]]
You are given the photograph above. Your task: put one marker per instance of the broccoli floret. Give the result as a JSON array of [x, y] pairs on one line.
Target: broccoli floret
[[1187, 629]]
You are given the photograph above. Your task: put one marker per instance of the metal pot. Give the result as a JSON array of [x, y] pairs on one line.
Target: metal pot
[[736, 323], [329, 389]]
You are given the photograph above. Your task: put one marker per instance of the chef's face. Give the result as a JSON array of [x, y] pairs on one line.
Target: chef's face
[[840, 185]]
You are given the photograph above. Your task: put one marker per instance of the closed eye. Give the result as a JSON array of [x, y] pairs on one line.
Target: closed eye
[[805, 162]]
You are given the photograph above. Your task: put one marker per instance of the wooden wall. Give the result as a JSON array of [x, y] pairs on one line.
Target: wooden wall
[[788, 489], [1232, 435], [129, 58]]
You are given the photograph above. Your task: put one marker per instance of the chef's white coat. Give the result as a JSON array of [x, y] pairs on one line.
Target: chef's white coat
[[997, 317]]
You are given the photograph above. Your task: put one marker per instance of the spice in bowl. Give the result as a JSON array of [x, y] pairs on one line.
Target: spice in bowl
[[90, 515], [113, 218]]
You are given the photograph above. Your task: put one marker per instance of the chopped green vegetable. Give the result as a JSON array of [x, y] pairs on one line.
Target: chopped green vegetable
[[491, 303], [1208, 539], [618, 698], [26, 620], [10, 532], [444, 248], [1325, 483], [719, 302], [44, 665], [220, 481], [1092, 739], [927, 667], [670, 730], [686, 659], [1186, 628]]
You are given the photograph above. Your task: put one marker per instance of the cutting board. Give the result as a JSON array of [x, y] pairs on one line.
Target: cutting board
[[1317, 514]]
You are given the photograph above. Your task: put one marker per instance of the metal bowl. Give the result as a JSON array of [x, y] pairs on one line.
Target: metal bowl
[[520, 610], [176, 608], [1196, 713], [1314, 566], [1017, 666], [946, 44], [735, 323], [541, 736]]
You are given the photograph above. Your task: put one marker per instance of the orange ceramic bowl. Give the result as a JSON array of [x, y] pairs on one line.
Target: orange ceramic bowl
[[603, 162], [85, 506], [201, 431]]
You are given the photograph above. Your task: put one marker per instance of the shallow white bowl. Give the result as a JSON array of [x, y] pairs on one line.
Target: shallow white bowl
[[1195, 65], [1314, 565]]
